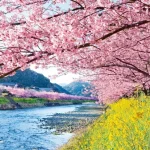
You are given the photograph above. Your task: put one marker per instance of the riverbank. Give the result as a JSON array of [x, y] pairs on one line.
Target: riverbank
[[11, 103], [44, 128], [124, 126], [71, 122]]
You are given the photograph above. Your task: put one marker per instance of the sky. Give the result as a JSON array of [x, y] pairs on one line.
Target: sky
[[52, 71]]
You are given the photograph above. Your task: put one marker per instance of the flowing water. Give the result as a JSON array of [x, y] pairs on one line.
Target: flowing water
[[20, 129]]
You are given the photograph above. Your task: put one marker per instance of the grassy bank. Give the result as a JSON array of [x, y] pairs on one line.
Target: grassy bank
[[125, 126], [11, 103], [42, 100], [33, 102], [30, 100], [3, 100]]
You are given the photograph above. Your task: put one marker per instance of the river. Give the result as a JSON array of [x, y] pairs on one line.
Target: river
[[20, 129]]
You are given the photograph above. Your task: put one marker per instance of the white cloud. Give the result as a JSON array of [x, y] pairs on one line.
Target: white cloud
[[52, 71]]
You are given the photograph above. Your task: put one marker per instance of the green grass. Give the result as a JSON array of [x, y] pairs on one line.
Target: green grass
[[42, 100], [3, 100], [30, 100], [125, 126]]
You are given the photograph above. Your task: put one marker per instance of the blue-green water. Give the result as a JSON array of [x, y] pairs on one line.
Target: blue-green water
[[20, 129]]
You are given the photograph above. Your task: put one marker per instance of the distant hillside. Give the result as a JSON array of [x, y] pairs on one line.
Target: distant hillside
[[30, 78], [79, 88], [59, 88]]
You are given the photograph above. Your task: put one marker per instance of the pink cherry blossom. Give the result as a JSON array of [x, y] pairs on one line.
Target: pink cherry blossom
[[107, 41], [26, 93]]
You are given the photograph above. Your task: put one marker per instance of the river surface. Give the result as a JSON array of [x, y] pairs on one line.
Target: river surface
[[20, 129]]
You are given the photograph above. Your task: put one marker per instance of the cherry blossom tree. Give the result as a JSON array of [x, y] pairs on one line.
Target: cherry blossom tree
[[109, 40], [27, 93]]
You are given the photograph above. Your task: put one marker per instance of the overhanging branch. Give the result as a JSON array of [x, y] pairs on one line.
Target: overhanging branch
[[126, 26]]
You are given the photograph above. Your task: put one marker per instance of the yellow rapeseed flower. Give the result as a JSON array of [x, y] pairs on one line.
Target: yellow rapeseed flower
[[125, 126]]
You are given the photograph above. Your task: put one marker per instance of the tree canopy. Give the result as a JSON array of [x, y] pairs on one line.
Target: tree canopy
[[109, 40]]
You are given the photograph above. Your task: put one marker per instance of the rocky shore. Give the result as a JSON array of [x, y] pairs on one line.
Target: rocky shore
[[7, 106], [72, 121], [11, 106]]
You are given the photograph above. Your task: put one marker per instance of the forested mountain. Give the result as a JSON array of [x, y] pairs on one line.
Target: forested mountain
[[60, 88], [79, 88], [30, 79]]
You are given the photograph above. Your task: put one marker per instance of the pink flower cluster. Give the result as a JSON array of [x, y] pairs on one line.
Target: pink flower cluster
[[107, 40], [20, 92]]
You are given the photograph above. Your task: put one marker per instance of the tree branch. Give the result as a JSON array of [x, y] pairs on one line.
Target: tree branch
[[126, 26], [57, 15], [17, 68], [124, 66]]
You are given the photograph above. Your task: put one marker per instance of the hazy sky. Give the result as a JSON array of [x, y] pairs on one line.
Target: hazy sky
[[52, 72]]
